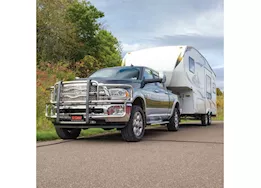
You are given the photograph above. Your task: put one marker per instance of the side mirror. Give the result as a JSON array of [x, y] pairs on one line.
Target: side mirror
[[146, 81], [162, 76]]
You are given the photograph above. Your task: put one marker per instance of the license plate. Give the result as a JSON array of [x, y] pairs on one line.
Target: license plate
[[76, 118]]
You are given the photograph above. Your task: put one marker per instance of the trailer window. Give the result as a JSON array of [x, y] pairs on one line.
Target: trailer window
[[191, 65], [208, 84]]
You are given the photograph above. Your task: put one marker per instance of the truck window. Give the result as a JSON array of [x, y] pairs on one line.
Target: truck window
[[147, 74], [191, 65]]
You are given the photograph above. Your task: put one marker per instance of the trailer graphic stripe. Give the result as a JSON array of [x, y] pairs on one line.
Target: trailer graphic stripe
[[178, 60]]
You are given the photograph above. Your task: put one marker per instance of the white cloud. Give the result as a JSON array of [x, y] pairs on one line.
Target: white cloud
[[208, 23], [133, 47]]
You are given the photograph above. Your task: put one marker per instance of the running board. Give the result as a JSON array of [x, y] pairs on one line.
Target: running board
[[157, 122]]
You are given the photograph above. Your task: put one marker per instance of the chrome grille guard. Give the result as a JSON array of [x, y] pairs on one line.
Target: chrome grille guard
[[88, 83]]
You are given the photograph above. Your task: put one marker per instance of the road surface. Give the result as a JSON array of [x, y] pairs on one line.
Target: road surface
[[189, 158]]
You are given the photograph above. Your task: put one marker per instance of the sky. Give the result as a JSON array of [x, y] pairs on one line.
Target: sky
[[139, 24]]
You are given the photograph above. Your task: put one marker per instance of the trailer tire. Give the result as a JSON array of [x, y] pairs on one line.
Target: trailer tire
[[209, 119], [135, 128], [204, 120], [65, 133], [173, 124]]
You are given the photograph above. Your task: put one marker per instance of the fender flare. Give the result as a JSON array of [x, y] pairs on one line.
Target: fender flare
[[176, 101], [142, 98]]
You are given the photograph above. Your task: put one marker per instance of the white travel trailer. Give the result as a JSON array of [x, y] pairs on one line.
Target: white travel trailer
[[188, 74]]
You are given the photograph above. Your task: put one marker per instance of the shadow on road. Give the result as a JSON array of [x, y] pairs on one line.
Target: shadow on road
[[149, 133]]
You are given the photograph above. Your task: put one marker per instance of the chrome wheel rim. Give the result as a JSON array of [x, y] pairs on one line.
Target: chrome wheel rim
[[137, 124], [176, 119]]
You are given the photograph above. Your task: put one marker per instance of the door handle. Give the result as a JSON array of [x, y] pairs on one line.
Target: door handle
[[156, 91], [166, 92]]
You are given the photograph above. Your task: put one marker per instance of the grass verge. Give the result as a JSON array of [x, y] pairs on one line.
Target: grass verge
[[51, 134]]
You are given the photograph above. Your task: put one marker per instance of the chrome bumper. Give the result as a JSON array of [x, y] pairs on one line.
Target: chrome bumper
[[65, 118]]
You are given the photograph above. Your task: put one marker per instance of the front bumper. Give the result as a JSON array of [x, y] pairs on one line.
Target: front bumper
[[94, 117]]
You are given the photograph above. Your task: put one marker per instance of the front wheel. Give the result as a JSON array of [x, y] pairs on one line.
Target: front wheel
[[135, 128], [65, 133]]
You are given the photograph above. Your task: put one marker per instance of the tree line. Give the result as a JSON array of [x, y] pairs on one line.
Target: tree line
[[70, 31]]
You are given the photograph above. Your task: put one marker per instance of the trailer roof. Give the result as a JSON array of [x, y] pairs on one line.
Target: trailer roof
[[163, 50]]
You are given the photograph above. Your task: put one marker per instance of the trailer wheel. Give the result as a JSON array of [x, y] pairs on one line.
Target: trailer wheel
[[173, 124], [135, 128], [65, 133], [209, 119], [204, 120]]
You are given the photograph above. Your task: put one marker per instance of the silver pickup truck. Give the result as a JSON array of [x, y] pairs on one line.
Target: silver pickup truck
[[127, 98]]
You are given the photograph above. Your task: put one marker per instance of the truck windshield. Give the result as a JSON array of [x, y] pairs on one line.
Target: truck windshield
[[118, 73]]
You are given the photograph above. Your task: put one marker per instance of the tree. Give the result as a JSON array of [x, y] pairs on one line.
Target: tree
[[69, 30], [56, 37], [108, 50], [219, 92], [84, 17]]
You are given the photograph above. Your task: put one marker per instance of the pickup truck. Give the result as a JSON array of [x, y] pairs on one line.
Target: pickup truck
[[126, 98]]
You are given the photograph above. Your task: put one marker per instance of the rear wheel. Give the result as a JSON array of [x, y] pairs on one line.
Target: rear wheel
[[204, 120], [65, 133], [135, 128], [173, 124]]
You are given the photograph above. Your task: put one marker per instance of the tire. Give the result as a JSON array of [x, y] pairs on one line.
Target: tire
[[204, 120], [173, 124], [135, 128], [209, 119], [65, 133]]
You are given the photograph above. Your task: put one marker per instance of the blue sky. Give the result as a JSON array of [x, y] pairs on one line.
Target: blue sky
[[141, 24]]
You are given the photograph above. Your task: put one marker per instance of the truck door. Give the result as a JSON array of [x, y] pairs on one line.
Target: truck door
[[148, 92], [157, 100], [162, 99]]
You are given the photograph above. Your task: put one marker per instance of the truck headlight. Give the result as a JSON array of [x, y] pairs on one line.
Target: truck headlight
[[117, 93]]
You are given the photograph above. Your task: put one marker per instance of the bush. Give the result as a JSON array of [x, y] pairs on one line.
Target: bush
[[47, 76], [220, 108]]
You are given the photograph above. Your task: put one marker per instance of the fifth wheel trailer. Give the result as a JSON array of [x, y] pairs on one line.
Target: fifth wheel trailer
[[188, 74]]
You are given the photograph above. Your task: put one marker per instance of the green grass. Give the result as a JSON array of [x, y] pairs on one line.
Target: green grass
[[51, 134], [220, 115]]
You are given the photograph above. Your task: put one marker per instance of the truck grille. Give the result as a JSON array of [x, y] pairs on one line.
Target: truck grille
[[73, 92], [76, 92], [93, 92]]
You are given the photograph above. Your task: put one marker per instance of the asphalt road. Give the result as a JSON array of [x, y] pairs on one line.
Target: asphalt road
[[189, 158]]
